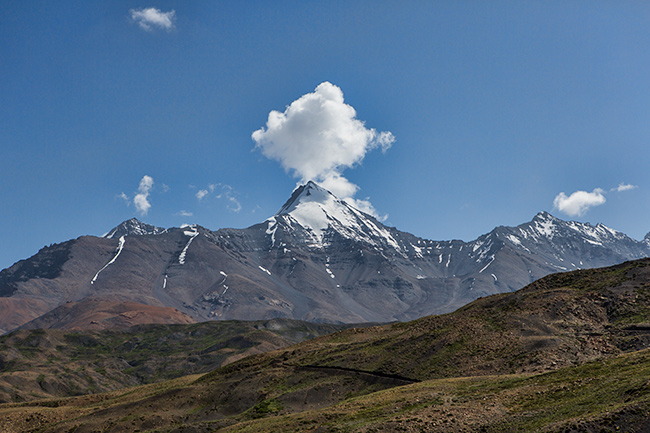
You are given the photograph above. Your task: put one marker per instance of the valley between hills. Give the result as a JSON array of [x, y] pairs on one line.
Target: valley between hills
[[567, 353]]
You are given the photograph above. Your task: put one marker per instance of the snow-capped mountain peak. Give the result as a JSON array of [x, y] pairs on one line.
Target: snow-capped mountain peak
[[545, 224], [545, 216], [319, 213], [307, 193], [315, 208]]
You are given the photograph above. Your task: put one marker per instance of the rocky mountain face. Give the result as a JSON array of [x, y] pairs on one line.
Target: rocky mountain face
[[317, 259]]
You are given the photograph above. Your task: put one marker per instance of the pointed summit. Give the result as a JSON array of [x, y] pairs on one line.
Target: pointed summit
[[309, 192], [318, 214], [545, 216], [316, 209], [134, 227]]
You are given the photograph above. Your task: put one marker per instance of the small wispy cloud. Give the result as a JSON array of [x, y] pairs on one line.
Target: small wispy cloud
[[141, 199], [150, 19], [624, 187], [579, 202], [200, 194], [224, 192], [366, 206], [227, 193], [124, 197], [233, 204], [184, 213]]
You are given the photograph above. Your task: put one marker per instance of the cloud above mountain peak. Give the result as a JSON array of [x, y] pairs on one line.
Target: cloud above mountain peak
[[318, 136]]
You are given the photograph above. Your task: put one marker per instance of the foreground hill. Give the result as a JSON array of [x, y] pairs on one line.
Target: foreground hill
[[317, 259], [602, 396], [560, 320], [567, 353], [52, 363]]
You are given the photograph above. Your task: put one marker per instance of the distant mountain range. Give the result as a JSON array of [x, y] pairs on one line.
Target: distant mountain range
[[318, 259]]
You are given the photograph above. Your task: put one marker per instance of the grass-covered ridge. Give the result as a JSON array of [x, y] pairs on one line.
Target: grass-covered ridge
[[599, 396], [561, 320], [608, 395]]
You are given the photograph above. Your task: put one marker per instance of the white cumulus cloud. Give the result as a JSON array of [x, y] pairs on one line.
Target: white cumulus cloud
[[141, 199], [579, 202], [343, 188], [151, 18], [317, 137]]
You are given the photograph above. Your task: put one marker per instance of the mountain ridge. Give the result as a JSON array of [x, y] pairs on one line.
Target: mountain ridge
[[317, 259]]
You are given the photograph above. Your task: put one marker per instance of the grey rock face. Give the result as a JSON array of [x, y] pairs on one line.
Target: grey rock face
[[318, 258]]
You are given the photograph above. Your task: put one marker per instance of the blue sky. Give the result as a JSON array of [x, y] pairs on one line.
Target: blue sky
[[495, 108]]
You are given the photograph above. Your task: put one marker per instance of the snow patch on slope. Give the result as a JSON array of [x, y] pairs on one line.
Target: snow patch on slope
[[271, 229], [192, 234], [264, 270], [120, 246], [486, 266]]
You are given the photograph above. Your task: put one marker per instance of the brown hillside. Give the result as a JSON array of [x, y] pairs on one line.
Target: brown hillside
[[560, 320], [98, 314]]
